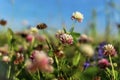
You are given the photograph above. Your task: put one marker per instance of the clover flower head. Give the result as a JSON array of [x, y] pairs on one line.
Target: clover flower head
[[30, 66], [109, 50], [19, 58], [103, 63], [40, 60], [77, 16], [29, 38], [59, 33], [59, 53], [66, 39], [51, 61]]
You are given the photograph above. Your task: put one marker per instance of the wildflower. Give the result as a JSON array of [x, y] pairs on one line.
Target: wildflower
[[59, 33], [40, 60], [86, 65], [100, 50], [33, 29], [66, 39], [5, 58], [103, 63], [43, 61], [30, 38], [77, 16], [59, 53], [87, 50], [19, 58], [109, 50], [41, 26], [51, 61], [30, 66]]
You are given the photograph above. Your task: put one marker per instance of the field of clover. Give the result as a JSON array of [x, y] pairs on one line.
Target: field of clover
[[36, 54]]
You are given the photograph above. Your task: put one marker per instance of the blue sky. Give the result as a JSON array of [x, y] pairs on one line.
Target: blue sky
[[51, 12]]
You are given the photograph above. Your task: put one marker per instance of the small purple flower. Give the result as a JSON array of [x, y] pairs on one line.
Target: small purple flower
[[100, 53], [101, 50], [86, 65]]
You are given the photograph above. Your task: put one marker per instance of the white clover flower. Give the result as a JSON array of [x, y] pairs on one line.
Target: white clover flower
[[66, 39], [59, 32], [109, 50], [77, 16], [108, 46]]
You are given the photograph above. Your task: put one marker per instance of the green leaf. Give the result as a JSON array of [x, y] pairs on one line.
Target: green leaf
[[10, 31], [75, 34], [90, 72], [76, 59], [116, 74], [56, 60], [64, 30], [9, 35]]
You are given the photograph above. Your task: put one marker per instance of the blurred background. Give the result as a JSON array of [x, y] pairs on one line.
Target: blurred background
[[99, 15], [101, 18]]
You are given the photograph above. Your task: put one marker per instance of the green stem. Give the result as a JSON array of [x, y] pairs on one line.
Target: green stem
[[57, 64], [113, 71], [9, 71], [72, 28], [20, 70], [38, 75], [34, 78]]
